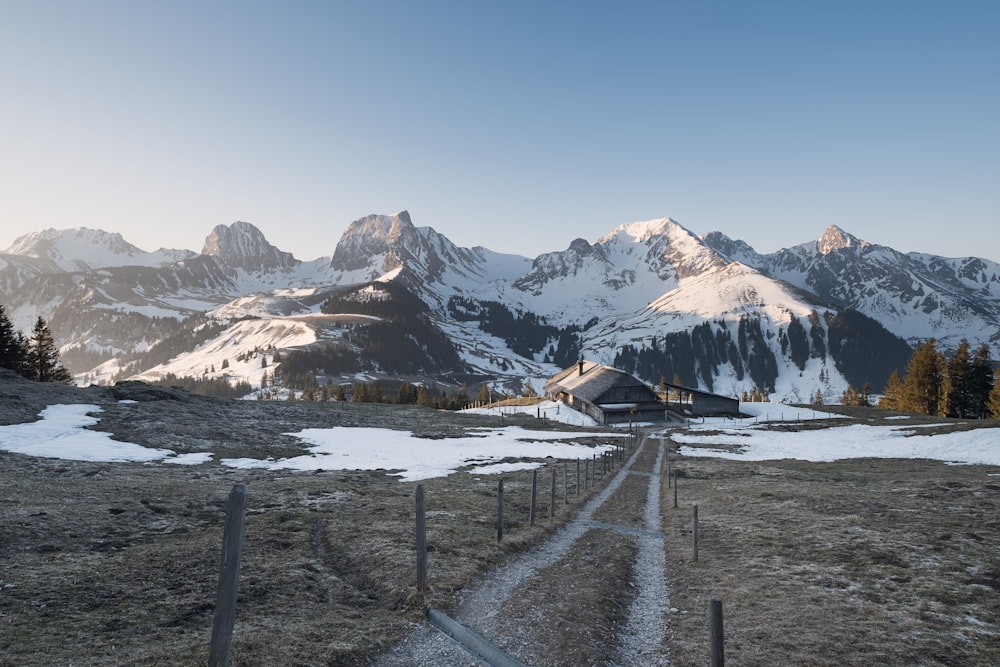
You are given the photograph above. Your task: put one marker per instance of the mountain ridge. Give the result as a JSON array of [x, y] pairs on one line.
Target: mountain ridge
[[628, 288]]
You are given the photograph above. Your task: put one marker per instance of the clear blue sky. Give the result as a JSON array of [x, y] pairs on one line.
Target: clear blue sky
[[518, 126]]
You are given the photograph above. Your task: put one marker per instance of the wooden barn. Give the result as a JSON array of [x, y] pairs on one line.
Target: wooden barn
[[697, 403], [609, 395]]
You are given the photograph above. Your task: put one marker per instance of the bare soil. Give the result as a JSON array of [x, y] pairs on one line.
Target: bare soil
[[854, 562]]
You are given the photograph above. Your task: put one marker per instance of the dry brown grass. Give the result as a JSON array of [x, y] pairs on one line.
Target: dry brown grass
[[856, 562], [118, 563]]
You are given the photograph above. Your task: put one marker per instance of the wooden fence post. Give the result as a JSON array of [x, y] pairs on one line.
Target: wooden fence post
[[534, 495], [694, 531], [578, 477], [421, 540], [675, 489], [552, 495], [715, 635], [229, 578], [499, 511], [565, 483]]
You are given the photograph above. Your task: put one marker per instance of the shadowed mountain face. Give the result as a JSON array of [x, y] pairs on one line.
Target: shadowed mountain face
[[650, 296]]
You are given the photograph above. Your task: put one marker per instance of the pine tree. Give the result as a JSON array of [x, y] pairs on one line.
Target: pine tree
[[981, 379], [924, 382], [529, 390], [484, 396], [43, 357], [866, 394], [818, 397], [957, 389], [12, 349]]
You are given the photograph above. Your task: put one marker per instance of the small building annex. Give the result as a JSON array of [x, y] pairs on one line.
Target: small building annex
[[609, 395]]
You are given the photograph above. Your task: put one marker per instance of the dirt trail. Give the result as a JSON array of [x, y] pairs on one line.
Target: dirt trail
[[639, 637]]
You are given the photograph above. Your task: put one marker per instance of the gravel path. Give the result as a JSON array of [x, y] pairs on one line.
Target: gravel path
[[642, 641]]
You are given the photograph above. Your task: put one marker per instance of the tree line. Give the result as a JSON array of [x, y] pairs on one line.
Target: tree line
[[34, 357], [963, 386]]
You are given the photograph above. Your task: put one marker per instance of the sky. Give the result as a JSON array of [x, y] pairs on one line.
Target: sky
[[61, 433], [517, 126]]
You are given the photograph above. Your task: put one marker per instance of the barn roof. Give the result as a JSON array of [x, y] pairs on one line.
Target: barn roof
[[589, 381]]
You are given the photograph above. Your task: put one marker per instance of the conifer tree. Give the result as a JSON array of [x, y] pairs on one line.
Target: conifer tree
[[424, 397], [484, 395], [981, 381], [850, 396], [994, 402], [43, 358], [892, 395], [924, 382], [529, 390], [818, 397], [462, 399], [12, 348], [957, 394]]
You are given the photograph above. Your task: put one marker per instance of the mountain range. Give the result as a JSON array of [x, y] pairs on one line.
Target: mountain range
[[396, 300]]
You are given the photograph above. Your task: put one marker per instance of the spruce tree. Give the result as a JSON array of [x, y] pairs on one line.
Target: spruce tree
[[924, 382], [981, 379], [957, 394], [43, 358], [12, 349]]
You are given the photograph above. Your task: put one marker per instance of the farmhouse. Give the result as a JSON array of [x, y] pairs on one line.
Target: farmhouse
[[609, 395], [612, 396]]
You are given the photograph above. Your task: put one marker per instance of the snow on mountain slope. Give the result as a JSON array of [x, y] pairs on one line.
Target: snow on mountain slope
[[80, 249], [721, 295], [916, 296], [252, 339], [622, 271]]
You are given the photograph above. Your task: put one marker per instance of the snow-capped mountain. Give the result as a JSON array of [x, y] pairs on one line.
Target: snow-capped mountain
[[916, 296], [651, 297], [81, 249]]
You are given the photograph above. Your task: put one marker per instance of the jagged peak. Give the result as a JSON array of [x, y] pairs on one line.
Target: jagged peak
[[243, 244], [835, 238], [387, 228]]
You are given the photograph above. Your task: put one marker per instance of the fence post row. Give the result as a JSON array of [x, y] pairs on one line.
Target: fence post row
[[229, 577]]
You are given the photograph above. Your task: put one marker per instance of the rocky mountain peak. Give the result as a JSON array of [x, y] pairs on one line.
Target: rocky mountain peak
[[835, 238], [242, 245]]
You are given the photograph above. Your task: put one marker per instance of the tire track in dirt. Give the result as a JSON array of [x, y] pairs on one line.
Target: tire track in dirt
[[478, 610]]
